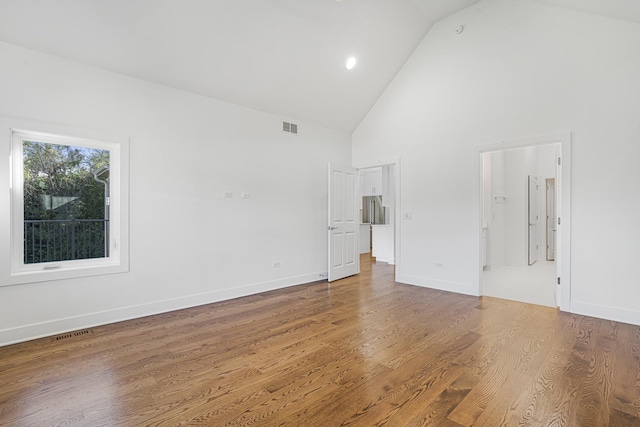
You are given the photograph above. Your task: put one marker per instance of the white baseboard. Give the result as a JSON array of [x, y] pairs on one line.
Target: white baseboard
[[459, 288], [606, 312], [89, 320]]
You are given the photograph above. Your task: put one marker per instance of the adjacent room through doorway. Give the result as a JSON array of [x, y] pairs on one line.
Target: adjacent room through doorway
[[377, 213], [518, 224]]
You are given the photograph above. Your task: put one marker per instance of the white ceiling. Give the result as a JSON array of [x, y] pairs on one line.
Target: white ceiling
[[284, 57], [626, 10]]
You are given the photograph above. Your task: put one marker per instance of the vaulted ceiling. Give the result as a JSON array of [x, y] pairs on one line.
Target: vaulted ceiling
[[285, 57]]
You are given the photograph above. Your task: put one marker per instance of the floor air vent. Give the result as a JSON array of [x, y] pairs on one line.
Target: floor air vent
[[71, 335], [290, 127]]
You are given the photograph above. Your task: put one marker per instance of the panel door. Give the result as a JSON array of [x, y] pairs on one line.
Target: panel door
[[343, 257]]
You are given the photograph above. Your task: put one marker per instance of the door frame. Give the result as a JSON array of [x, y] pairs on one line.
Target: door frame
[[537, 220], [563, 207], [397, 222]]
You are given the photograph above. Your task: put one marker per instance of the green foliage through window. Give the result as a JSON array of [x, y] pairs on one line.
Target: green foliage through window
[[65, 202]]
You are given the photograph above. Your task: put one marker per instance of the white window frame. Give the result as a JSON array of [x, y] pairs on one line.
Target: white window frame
[[16, 271]]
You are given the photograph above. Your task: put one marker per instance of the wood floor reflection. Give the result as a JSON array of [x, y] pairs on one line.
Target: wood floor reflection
[[363, 351]]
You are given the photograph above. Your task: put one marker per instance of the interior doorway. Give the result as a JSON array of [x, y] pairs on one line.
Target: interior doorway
[[515, 264], [384, 243], [377, 202], [350, 232], [490, 262]]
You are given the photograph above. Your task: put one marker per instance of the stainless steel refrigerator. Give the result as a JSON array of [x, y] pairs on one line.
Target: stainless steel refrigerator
[[372, 210]]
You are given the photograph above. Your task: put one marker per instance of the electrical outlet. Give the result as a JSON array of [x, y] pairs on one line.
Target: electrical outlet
[[245, 195], [276, 264], [439, 264], [407, 216]]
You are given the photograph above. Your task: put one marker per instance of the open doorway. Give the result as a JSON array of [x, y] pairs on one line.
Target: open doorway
[[377, 202], [349, 232], [515, 209]]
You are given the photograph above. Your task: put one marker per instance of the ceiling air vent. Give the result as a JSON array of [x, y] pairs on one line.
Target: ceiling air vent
[[290, 127]]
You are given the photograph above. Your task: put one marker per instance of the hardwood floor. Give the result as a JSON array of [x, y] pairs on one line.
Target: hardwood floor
[[364, 351]]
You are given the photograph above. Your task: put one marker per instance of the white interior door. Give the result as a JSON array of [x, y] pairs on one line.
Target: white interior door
[[344, 258], [534, 213]]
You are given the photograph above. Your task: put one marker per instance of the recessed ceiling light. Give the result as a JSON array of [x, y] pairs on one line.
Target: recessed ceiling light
[[351, 62]]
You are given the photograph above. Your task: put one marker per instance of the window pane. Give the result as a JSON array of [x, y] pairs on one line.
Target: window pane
[[66, 202]]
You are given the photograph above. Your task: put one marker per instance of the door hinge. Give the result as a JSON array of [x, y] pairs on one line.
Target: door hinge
[[558, 280], [559, 161], [558, 220]]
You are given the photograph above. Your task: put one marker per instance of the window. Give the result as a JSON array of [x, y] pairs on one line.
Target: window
[[68, 206], [65, 199]]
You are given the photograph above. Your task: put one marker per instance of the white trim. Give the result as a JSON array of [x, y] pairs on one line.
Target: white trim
[[563, 210], [395, 161], [443, 285], [73, 323], [13, 271], [606, 312]]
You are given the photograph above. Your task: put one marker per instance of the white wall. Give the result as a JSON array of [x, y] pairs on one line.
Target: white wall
[[494, 208], [519, 69], [188, 245], [516, 169]]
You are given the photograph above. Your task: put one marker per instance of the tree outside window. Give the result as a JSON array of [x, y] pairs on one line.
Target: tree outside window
[[66, 204]]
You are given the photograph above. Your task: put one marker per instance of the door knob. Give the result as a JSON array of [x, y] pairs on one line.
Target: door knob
[[331, 228]]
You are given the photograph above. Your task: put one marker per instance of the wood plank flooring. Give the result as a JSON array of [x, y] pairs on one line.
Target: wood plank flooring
[[364, 351]]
